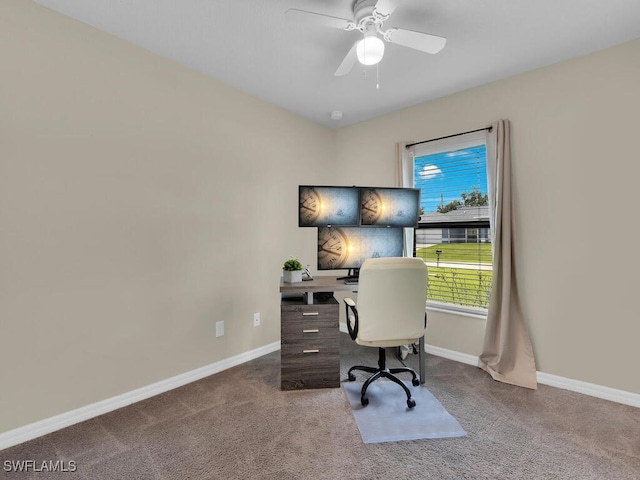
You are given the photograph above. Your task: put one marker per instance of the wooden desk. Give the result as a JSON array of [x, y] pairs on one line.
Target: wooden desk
[[309, 328]]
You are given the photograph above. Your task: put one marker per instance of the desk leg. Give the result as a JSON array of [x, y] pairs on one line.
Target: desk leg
[[421, 358]]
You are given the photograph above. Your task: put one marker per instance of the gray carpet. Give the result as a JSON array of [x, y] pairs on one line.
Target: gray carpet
[[387, 418], [238, 425]]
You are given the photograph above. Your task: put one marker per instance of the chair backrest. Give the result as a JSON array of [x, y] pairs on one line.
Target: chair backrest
[[392, 294]]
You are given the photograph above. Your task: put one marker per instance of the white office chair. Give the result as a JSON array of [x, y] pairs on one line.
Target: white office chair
[[390, 312]]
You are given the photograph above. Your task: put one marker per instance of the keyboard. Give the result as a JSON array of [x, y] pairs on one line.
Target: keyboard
[[351, 281]]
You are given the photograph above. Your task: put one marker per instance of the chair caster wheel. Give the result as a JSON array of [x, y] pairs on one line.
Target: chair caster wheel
[[415, 382], [411, 403], [352, 377], [365, 401]]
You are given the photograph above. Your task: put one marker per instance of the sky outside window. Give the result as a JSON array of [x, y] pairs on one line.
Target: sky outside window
[[442, 177]]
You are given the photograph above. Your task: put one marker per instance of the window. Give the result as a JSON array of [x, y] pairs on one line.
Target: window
[[454, 235]]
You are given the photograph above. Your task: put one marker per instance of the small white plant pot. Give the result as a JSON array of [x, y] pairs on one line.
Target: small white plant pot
[[292, 276]]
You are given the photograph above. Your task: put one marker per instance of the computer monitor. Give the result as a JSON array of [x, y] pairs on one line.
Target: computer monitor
[[348, 247], [321, 206], [389, 207]]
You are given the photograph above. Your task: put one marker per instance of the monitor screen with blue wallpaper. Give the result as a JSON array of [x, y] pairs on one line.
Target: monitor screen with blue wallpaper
[[389, 207], [348, 247], [321, 206]]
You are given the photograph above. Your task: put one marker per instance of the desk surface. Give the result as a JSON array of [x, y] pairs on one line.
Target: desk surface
[[318, 284]]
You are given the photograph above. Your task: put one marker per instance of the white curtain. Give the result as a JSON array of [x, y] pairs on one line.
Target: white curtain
[[507, 353]]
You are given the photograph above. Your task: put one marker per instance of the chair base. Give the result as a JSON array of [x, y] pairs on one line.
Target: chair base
[[383, 372]]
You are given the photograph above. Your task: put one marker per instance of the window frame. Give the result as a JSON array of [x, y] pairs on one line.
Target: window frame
[[433, 148]]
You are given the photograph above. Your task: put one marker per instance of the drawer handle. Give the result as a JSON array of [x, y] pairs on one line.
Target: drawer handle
[[309, 314], [311, 330], [310, 351]]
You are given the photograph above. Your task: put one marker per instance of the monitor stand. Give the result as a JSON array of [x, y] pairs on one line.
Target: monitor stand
[[352, 274]]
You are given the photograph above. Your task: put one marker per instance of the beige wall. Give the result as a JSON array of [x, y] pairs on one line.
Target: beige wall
[[575, 175], [141, 202]]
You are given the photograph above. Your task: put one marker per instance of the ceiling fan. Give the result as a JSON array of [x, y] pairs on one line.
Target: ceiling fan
[[368, 18]]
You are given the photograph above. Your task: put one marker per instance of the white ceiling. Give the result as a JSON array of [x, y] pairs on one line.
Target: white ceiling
[[251, 45]]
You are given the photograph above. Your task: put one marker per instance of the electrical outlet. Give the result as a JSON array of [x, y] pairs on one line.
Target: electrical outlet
[[256, 319], [220, 328]]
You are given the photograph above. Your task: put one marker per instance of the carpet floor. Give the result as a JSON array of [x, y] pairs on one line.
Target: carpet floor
[[238, 424]]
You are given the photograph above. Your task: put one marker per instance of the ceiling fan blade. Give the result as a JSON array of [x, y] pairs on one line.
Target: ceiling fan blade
[[386, 7], [348, 62], [303, 16], [425, 42]]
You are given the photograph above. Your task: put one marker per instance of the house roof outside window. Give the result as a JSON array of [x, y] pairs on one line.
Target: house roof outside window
[[461, 215]]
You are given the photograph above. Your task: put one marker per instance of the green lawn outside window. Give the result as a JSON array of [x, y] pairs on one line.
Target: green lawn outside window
[[467, 287]]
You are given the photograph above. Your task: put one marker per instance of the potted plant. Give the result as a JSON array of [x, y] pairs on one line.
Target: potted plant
[[292, 271]]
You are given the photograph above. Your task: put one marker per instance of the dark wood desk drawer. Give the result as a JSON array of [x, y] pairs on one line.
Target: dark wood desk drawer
[[309, 331], [315, 312], [310, 370], [305, 348]]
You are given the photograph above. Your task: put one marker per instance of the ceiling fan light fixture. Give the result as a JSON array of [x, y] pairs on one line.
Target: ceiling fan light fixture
[[370, 50]]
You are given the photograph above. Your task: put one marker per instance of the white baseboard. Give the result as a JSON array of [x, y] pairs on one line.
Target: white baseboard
[[48, 425], [452, 355], [591, 389]]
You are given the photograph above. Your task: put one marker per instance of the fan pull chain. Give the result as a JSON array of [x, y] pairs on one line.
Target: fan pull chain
[[377, 76]]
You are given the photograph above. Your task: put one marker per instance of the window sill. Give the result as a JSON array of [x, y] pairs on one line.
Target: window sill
[[478, 313]]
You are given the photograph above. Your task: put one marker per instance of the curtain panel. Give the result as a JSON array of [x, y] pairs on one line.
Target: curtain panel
[[404, 178], [507, 353]]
